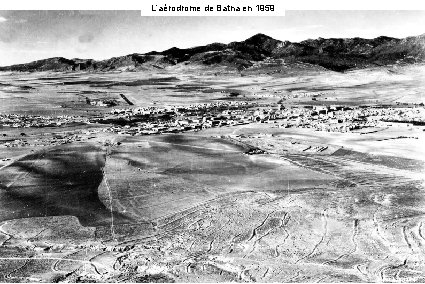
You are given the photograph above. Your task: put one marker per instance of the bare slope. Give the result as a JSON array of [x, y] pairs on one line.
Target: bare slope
[[337, 54]]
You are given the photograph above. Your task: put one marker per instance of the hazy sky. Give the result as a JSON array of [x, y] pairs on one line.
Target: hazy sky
[[30, 35]]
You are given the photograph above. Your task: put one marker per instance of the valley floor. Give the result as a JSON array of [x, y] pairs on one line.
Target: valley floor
[[247, 203]]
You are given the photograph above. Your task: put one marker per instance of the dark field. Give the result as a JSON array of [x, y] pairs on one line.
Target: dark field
[[56, 182]]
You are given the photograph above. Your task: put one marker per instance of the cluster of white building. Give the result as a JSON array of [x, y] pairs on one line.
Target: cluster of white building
[[26, 121]]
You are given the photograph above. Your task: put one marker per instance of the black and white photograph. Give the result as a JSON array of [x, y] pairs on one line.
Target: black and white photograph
[[270, 148]]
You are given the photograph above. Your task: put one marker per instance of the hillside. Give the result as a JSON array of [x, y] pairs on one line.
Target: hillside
[[337, 54]]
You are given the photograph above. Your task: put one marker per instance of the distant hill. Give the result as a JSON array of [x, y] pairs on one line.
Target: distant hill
[[337, 54]]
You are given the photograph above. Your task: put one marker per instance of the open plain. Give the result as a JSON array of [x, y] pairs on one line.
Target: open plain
[[209, 174]]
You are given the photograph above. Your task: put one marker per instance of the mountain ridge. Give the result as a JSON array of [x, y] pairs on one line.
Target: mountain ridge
[[336, 54]]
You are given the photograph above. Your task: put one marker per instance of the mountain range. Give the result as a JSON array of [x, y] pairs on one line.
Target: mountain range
[[336, 54]]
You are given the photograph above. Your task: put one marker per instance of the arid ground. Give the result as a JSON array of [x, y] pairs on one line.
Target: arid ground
[[198, 206]]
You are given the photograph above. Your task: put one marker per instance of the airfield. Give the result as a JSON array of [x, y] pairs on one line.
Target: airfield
[[203, 206]]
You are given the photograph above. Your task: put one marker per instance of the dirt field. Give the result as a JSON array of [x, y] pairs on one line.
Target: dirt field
[[157, 176], [200, 206]]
